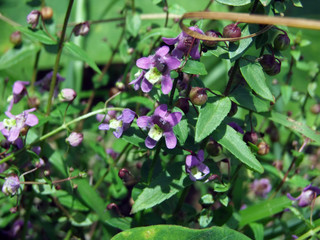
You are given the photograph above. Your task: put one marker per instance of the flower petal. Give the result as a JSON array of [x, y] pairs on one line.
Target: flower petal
[[171, 140], [174, 118], [150, 143], [161, 111], [172, 63], [195, 53], [128, 115], [104, 126], [32, 120], [200, 155], [143, 121], [166, 84], [162, 51], [118, 132], [146, 86], [144, 63], [171, 41], [13, 134]]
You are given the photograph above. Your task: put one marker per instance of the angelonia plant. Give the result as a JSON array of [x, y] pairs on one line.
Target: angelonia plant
[[159, 120]]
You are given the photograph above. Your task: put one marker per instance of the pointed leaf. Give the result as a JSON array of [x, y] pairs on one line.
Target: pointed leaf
[[178, 232], [181, 130], [230, 140], [211, 115], [234, 2], [164, 186], [254, 76], [194, 67], [37, 35], [80, 54]]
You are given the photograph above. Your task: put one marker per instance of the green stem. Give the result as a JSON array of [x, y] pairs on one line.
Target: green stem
[[55, 131], [56, 65], [309, 233], [34, 72], [153, 164], [181, 199], [175, 81]]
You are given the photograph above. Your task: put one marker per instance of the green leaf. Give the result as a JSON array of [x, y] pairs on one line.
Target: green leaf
[[92, 199], [211, 115], [234, 2], [37, 35], [133, 23], [230, 140], [16, 55], [254, 76], [70, 201], [194, 67], [135, 136], [161, 232], [295, 126], [257, 229], [164, 186], [265, 2], [181, 130], [286, 92], [245, 98], [78, 53], [236, 50], [206, 217], [264, 209], [297, 3]]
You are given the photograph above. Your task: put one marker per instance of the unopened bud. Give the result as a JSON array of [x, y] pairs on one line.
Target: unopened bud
[[123, 174], [231, 31], [183, 104], [281, 42], [211, 33], [46, 173], [213, 148], [315, 109], [16, 38], [67, 95], [263, 148], [33, 18], [250, 137], [46, 13], [81, 29], [74, 139], [13, 209], [58, 187], [198, 96]]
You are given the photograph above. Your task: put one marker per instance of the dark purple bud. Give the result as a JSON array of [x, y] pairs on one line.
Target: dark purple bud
[[275, 69], [124, 174], [111, 206], [58, 187], [213, 148], [233, 110], [273, 132], [183, 104], [33, 18], [16, 38], [251, 137], [278, 165], [5, 144], [270, 64], [211, 33], [46, 13], [198, 96], [263, 148], [231, 31], [81, 29], [281, 42]]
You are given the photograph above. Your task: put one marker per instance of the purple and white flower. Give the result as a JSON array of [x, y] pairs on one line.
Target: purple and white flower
[[195, 167], [119, 124], [306, 197], [12, 126], [11, 185], [185, 44], [159, 66], [161, 123], [33, 18], [261, 187]]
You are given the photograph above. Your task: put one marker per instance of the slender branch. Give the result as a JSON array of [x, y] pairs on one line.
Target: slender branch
[[34, 71], [56, 65], [309, 233]]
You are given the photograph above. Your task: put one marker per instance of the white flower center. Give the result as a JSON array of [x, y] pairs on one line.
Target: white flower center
[[137, 74], [114, 124], [153, 75], [155, 132], [196, 173], [9, 123]]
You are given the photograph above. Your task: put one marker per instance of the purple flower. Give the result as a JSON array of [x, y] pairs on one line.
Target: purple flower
[[236, 127], [119, 124], [112, 153], [11, 185], [159, 65], [45, 83], [33, 18], [161, 123], [306, 197], [185, 42], [82, 29], [11, 128], [74, 139], [195, 167], [261, 187], [18, 92]]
